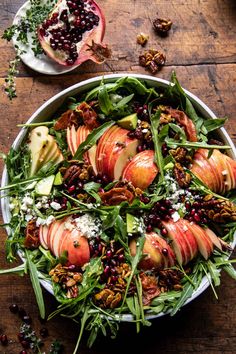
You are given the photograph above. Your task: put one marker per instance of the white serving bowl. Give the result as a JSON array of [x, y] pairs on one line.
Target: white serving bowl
[[50, 107]]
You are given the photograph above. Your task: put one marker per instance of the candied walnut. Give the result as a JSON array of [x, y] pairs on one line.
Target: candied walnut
[[219, 210], [31, 240], [183, 178], [181, 155], [88, 115], [117, 195], [142, 39], [169, 279], [150, 288], [153, 60], [68, 118], [162, 26], [68, 279]]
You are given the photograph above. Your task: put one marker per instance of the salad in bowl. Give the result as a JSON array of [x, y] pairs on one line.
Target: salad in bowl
[[118, 196]]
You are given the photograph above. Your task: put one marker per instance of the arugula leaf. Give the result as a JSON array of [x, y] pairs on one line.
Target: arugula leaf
[[35, 283], [92, 188], [155, 120], [92, 139], [213, 124], [104, 101]]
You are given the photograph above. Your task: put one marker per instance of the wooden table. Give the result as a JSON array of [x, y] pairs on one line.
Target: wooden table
[[201, 47]]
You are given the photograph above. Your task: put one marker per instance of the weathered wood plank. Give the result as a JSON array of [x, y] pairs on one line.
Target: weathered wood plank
[[202, 33]]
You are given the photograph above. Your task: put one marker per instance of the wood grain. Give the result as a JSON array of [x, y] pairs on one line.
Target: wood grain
[[201, 47]]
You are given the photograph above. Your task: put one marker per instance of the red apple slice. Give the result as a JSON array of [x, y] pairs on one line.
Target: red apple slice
[[152, 254], [78, 248], [71, 139], [183, 227], [179, 244], [115, 149], [82, 132], [56, 236], [214, 239], [201, 169], [141, 170], [205, 245], [43, 234], [168, 254]]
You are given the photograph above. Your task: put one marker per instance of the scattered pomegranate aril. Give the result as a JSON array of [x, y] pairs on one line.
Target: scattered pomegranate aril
[[3, 339], [83, 24], [14, 308]]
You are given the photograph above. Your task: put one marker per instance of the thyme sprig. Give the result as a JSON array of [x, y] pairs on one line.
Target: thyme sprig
[[25, 33]]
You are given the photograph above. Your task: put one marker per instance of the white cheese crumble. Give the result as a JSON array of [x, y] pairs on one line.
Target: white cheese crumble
[[224, 172], [55, 206], [175, 216], [88, 225], [49, 220]]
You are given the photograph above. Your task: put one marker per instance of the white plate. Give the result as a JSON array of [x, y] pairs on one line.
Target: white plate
[[50, 107], [42, 64]]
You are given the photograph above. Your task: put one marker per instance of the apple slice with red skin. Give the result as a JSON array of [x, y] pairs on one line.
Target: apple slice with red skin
[[56, 235], [77, 247], [179, 244], [71, 138], [154, 256], [43, 235], [183, 227], [141, 170], [214, 239], [90, 155], [167, 252], [208, 170], [102, 146], [205, 244], [114, 151]]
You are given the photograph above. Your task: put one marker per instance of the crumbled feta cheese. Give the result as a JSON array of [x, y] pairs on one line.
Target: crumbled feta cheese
[[224, 173], [88, 225], [145, 130], [44, 199], [38, 205], [185, 228], [27, 200], [69, 226], [49, 220], [175, 216], [55, 206], [40, 221], [28, 217]]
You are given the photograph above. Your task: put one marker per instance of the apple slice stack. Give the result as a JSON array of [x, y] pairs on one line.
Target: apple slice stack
[[141, 170], [62, 236], [114, 151], [217, 172], [157, 252], [189, 238], [75, 138]]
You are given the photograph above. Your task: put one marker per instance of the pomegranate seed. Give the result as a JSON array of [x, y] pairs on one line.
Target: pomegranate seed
[[149, 228], [109, 254], [23, 352], [14, 308], [165, 251], [106, 271], [71, 189], [121, 258], [164, 232], [76, 23], [4, 339], [196, 217]]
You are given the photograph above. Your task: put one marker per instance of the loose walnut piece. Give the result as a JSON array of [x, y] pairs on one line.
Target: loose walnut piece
[[162, 26], [153, 60], [142, 39]]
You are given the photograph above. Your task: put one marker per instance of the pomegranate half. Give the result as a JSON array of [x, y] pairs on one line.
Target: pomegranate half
[[73, 33]]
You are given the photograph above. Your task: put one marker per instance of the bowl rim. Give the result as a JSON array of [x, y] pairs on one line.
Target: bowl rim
[[207, 112]]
